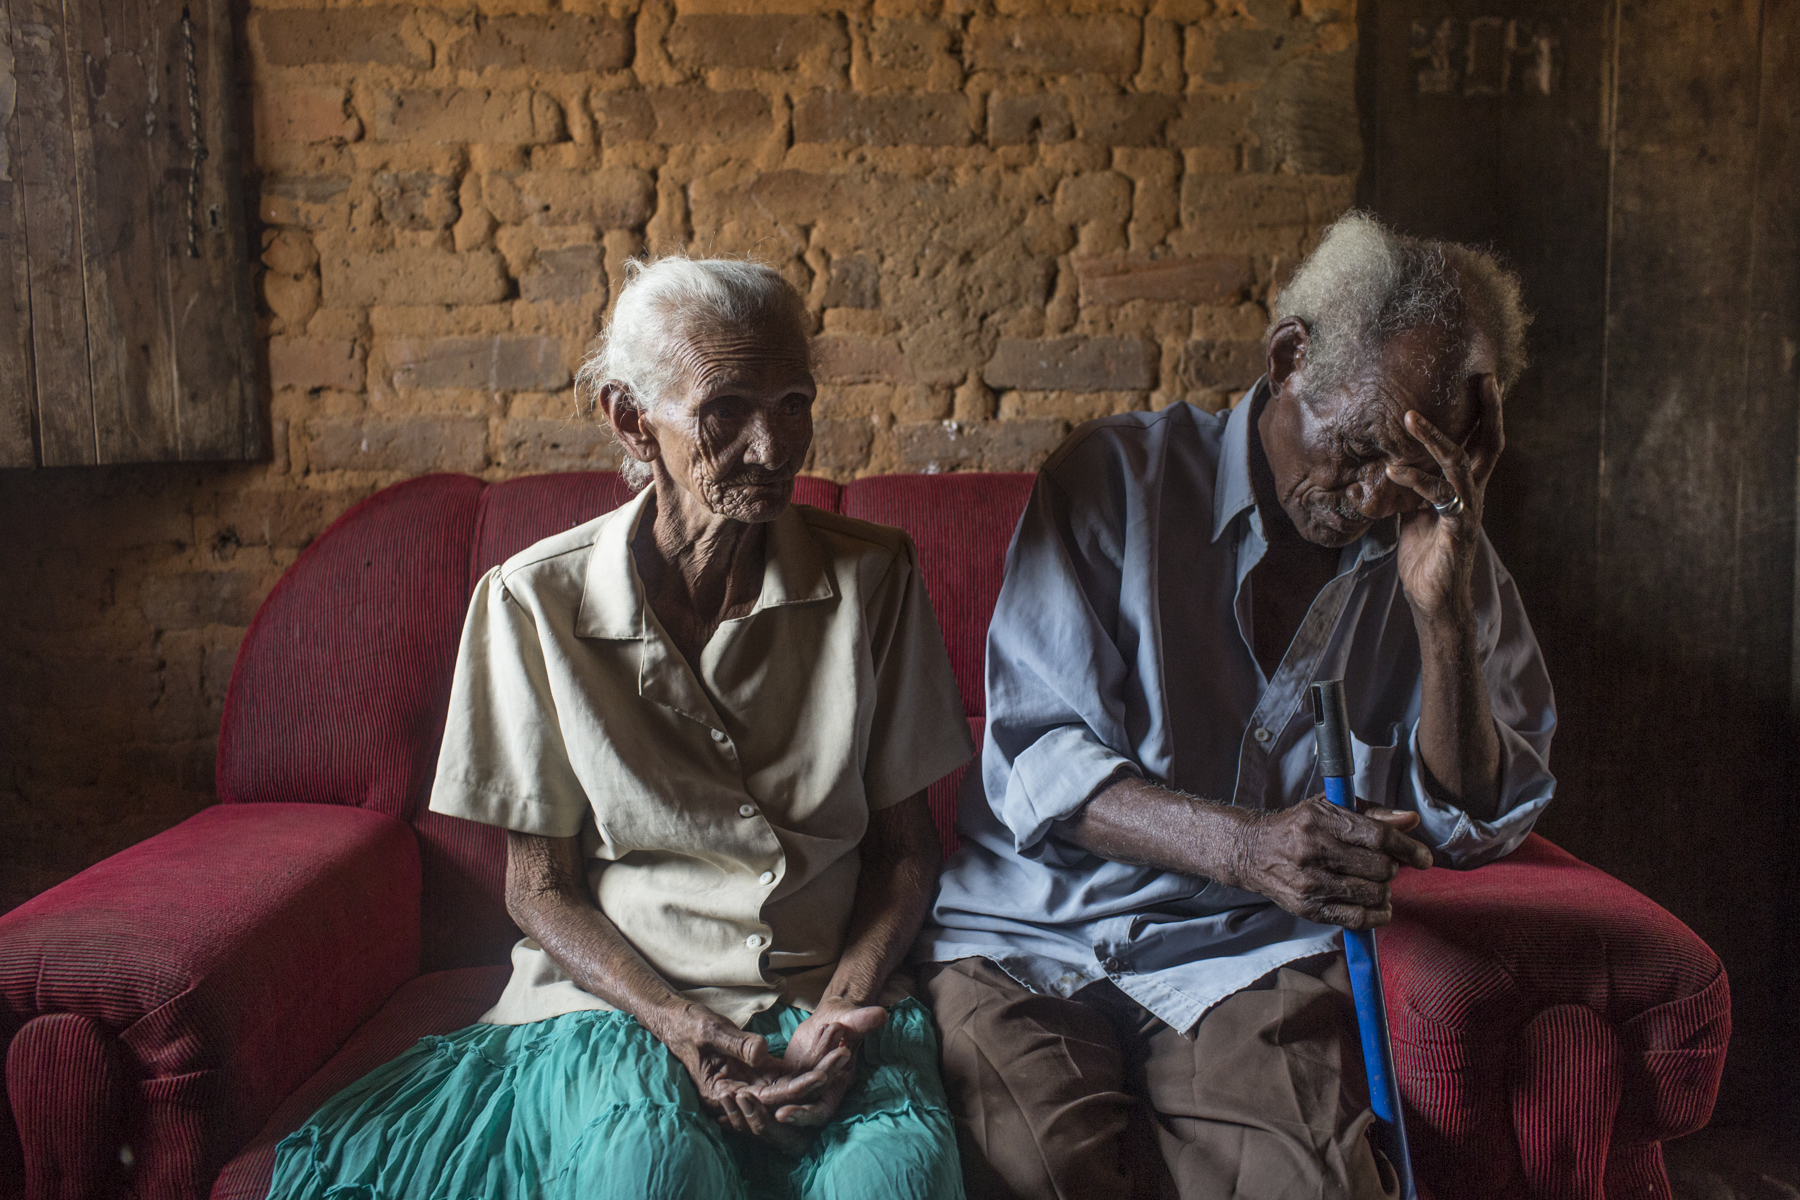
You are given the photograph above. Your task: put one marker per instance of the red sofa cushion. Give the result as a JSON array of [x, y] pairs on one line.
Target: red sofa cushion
[[227, 958], [341, 682], [514, 514], [962, 525]]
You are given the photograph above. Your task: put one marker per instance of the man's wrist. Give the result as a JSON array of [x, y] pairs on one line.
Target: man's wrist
[[1445, 626], [1223, 842], [1242, 833]]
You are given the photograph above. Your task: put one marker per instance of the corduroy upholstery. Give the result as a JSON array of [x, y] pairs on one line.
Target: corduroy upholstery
[[202, 975], [1508, 984], [1551, 1026]]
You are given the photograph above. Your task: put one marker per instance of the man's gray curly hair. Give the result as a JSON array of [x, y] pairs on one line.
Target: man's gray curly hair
[[663, 305], [1366, 285]]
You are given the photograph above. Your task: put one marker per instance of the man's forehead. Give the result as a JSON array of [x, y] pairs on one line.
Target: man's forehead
[[1450, 408], [1431, 379]]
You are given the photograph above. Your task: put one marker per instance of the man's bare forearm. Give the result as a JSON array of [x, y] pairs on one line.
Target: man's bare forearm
[[900, 856], [1132, 820], [1313, 859], [1456, 726]]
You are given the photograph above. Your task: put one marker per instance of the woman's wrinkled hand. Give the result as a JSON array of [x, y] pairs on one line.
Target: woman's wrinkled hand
[[752, 1090], [821, 1058], [723, 1060], [827, 1041]]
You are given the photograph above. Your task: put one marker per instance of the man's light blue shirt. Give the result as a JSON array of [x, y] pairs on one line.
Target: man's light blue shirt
[[1121, 645]]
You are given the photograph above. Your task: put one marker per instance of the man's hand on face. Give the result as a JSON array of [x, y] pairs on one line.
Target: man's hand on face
[[1437, 550], [1329, 864]]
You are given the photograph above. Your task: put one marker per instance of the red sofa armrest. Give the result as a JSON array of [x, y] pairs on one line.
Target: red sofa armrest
[[158, 1006], [1540, 995]]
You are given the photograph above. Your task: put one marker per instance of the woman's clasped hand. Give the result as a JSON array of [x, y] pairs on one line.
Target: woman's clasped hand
[[782, 1097]]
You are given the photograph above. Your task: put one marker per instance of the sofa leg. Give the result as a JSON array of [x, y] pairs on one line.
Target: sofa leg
[[1565, 1133], [67, 1088]]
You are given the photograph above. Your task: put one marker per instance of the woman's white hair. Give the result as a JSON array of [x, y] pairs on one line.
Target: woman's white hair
[[1366, 285], [664, 304]]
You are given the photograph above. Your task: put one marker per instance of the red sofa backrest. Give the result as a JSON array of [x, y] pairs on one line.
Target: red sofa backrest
[[341, 683]]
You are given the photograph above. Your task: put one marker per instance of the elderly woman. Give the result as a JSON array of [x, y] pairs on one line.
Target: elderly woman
[[707, 721]]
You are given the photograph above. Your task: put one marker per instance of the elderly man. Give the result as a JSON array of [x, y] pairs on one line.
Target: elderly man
[[707, 721], [1138, 979]]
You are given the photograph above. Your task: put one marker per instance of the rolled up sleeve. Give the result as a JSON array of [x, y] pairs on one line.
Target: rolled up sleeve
[[1524, 711], [1054, 777], [1055, 677]]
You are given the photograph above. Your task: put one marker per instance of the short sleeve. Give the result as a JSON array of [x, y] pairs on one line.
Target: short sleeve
[[503, 760], [918, 733]]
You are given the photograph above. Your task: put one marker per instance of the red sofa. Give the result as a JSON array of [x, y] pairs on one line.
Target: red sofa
[[171, 1013]]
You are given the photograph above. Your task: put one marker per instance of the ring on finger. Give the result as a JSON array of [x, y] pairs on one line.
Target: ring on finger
[[1450, 507]]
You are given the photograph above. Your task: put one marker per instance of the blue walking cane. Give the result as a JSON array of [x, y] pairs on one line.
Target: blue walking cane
[[1331, 730]]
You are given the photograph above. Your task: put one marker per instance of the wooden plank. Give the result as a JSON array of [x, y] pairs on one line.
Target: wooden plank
[[1772, 381], [1697, 470], [65, 413], [16, 448], [119, 56], [163, 236], [218, 410]]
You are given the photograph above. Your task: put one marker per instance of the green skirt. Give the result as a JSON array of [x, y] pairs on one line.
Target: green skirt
[[589, 1106]]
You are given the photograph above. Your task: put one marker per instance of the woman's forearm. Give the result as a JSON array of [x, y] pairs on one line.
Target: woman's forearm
[[547, 895], [900, 858]]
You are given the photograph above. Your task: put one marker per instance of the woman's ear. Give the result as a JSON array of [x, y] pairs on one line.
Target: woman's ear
[[1287, 351], [626, 415]]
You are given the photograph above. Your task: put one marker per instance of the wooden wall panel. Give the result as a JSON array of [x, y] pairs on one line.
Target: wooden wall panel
[[1523, 170], [136, 246], [1772, 383], [1695, 546], [1646, 501], [16, 446], [126, 150], [47, 169], [218, 411]]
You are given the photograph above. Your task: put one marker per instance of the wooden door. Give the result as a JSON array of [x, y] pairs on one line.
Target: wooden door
[[1638, 162], [122, 237]]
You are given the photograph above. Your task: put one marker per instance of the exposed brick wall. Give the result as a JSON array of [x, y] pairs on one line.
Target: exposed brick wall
[[1006, 218]]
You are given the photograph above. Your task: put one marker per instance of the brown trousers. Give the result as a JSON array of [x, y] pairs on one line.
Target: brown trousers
[[1092, 1097]]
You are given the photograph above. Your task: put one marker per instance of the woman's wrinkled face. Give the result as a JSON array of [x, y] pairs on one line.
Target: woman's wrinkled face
[[1329, 452], [737, 429]]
